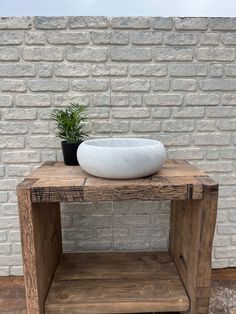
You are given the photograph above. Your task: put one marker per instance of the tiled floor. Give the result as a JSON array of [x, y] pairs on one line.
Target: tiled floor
[[223, 294]]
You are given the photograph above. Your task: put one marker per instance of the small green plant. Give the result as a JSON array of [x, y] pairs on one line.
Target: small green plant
[[69, 123]]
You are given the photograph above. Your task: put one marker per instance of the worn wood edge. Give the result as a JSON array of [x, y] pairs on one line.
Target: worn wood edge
[[26, 184]]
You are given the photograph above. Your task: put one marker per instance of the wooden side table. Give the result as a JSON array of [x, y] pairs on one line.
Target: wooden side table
[[177, 280]]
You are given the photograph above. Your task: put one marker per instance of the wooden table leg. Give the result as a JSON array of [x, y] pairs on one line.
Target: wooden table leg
[[191, 236], [40, 226]]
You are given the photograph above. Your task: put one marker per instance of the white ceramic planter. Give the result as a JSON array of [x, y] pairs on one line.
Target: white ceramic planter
[[121, 158]]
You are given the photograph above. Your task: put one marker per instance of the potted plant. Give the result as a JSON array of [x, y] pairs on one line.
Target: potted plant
[[70, 128]]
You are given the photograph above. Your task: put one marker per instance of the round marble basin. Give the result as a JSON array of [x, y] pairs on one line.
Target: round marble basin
[[121, 158]]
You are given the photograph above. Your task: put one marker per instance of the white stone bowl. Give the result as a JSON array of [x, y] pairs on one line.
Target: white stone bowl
[[121, 158]]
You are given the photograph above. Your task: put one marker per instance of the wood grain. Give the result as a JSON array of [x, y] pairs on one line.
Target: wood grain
[[191, 236], [41, 246], [55, 182], [116, 283]]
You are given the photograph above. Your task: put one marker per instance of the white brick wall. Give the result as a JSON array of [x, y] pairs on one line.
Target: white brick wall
[[172, 79]]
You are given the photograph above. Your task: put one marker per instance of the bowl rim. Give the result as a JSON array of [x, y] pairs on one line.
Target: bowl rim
[[149, 142]]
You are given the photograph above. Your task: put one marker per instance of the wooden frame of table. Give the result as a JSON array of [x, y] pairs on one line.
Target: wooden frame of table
[[177, 280]]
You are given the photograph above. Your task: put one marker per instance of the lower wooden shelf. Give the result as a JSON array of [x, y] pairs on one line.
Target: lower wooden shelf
[[116, 283]]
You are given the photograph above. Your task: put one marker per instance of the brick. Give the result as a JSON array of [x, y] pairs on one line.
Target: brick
[[2, 170], [64, 99], [215, 54], [4, 271], [178, 126], [209, 39], [193, 69], [40, 127], [131, 245], [10, 38], [126, 113], [114, 127], [43, 142], [162, 23], [88, 22], [64, 38], [173, 54], [228, 38], [20, 157], [3, 199], [119, 37], [191, 23], [77, 234], [86, 54], [232, 215], [12, 86], [112, 232], [131, 22], [163, 99], [5, 222], [226, 203], [16, 248], [175, 139], [161, 85], [101, 99], [228, 99], [131, 220], [227, 125], [5, 248], [185, 85], [161, 245], [43, 54], [130, 85], [216, 70], [215, 166], [100, 37], [92, 221], [16, 70], [130, 54], [44, 70], [146, 38], [225, 252], [160, 113], [186, 112], [33, 100], [13, 127], [18, 170], [72, 70], [48, 85], [206, 125], [109, 70], [9, 209], [120, 101], [19, 114], [12, 141], [221, 241], [186, 153], [5, 100], [218, 84], [181, 39], [230, 69], [97, 113], [97, 245], [200, 99], [211, 139], [223, 23], [23, 22], [90, 85], [218, 112], [50, 22], [35, 38], [148, 70], [212, 153], [13, 261], [135, 100], [146, 232], [3, 236], [146, 126]]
